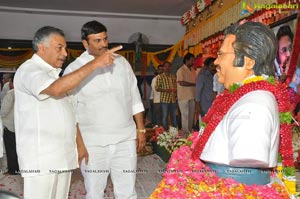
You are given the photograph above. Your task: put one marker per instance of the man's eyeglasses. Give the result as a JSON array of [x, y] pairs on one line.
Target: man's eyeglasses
[[219, 54]]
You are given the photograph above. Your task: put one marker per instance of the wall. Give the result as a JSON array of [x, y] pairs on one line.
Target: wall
[[23, 25]]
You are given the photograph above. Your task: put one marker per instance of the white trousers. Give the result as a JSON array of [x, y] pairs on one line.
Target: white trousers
[[119, 160], [187, 109], [48, 186]]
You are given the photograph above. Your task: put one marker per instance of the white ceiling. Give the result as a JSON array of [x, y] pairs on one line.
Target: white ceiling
[[154, 9]]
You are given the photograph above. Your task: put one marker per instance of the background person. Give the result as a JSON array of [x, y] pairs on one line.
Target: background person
[[157, 113], [5, 81], [186, 82], [166, 85], [7, 115], [204, 86]]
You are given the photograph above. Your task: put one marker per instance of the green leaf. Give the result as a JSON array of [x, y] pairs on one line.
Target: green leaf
[[233, 87], [271, 79], [289, 171], [285, 117], [279, 158], [189, 143], [203, 124]]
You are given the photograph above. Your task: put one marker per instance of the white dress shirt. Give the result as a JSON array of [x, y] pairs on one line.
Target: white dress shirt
[[106, 101], [156, 94], [4, 90], [45, 126], [248, 135], [7, 110]]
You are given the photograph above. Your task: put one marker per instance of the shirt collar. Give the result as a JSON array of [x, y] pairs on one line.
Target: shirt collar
[[47, 67], [187, 67], [88, 56]]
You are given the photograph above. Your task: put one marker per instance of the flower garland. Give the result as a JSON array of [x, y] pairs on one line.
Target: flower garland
[[188, 178], [224, 102]]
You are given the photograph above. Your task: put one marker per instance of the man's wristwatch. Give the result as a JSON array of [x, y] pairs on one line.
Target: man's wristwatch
[[141, 130]]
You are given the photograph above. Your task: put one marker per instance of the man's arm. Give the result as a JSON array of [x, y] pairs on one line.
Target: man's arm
[[141, 137], [180, 79], [70, 81], [82, 151], [184, 83]]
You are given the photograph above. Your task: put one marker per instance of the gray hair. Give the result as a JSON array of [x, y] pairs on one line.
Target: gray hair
[[256, 41], [42, 35]]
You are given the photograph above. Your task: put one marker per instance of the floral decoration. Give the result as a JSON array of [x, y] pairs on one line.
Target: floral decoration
[[158, 131], [185, 177], [225, 100], [171, 140]]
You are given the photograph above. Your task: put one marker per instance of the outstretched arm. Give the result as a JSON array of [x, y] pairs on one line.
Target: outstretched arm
[[70, 81]]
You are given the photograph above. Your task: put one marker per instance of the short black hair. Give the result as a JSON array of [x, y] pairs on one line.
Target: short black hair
[[285, 31], [208, 61], [91, 27], [187, 57]]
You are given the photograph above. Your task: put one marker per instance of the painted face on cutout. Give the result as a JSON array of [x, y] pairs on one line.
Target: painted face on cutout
[[229, 74]]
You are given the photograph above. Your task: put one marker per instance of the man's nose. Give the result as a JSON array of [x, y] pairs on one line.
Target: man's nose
[[64, 52]]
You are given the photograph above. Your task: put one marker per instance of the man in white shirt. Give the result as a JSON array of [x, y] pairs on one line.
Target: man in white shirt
[[105, 105], [5, 88], [157, 114], [7, 115], [44, 119]]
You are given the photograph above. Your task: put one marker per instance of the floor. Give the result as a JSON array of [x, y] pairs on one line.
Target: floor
[[151, 167]]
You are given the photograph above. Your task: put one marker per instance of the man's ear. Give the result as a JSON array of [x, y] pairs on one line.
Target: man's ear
[[41, 48], [249, 63], [85, 44]]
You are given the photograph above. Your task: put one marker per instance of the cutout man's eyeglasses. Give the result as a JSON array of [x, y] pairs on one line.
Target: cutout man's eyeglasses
[[219, 54]]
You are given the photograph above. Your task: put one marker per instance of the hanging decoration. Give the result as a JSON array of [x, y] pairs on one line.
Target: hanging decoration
[[197, 8], [205, 39], [13, 58], [153, 58]]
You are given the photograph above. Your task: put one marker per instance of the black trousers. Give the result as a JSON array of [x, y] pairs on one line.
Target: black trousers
[[11, 152]]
